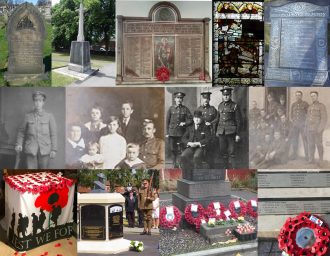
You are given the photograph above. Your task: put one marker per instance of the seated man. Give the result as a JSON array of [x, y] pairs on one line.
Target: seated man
[[276, 152], [196, 137], [260, 152]]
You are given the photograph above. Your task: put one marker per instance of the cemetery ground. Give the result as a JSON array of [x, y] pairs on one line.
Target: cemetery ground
[[186, 240], [104, 76], [47, 52]]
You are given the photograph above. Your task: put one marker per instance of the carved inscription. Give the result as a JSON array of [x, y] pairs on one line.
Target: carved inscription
[[298, 49]]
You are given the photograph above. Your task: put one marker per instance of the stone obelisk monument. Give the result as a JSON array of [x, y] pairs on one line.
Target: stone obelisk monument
[[80, 60]]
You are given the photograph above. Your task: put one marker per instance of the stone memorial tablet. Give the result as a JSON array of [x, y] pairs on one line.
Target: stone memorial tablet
[[115, 221], [293, 206], [293, 179], [206, 174], [298, 50], [147, 45], [25, 34], [93, 222]]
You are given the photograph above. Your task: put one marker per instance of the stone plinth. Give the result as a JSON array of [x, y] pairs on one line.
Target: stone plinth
[[109, 247], [204, 174], [217, 233], [80, 60]]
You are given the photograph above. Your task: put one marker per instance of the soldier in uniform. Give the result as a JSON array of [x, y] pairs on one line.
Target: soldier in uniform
[[145, 198], [298, 117], [210, 118], [195, 139], [38, 132], [177, 119], [228, 127], [316, 121], [152, 148]]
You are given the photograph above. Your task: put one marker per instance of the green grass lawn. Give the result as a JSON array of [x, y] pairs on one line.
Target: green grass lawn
[[59, 80]]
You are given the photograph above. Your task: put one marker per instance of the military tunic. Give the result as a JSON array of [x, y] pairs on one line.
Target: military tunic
[[176, 115], [228, 127], [210, 115], [298, 117], [39, 134], [145, 205], [152, 153], [316, 121]]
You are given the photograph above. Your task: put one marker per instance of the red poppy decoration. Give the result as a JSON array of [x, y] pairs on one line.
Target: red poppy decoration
[[193, 217], [202, 76], [215, 210], [304, 234], [169, 218], [199, 222], [52, 198], [237, 208], [252, 208], [163, 74]]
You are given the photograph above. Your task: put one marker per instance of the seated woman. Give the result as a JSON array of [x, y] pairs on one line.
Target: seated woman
[[112, 145], [75, 147], [94, 128]]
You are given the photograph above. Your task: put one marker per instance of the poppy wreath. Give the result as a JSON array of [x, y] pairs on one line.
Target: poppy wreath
[[252, 210], [198, 215], [211, 212], [163, 74], [287, 239], [199, 222], [166, 221], [237, 212]]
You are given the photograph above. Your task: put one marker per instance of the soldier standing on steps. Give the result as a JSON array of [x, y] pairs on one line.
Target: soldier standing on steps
[[177, 119], [228, 127]]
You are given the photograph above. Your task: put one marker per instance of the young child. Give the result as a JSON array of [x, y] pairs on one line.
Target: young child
[[112, 145], [92, 160], [132, 161]]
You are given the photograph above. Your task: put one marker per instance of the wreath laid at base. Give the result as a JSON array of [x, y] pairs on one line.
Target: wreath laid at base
[[169, 217], [305, 234], [237, 208]]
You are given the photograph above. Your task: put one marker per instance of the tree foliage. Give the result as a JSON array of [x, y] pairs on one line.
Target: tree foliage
[[99, 22]]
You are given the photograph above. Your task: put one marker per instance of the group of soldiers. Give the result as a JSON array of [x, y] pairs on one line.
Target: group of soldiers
[[274, 134], [194, 138]]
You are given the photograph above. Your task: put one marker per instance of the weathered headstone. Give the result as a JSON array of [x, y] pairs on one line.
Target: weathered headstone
[[162, 40], [115, 221], [286, 193], [80, 60], [298, 50], [93, 222], [25, 34]]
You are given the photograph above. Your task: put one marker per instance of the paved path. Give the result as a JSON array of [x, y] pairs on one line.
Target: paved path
[[105, 77]]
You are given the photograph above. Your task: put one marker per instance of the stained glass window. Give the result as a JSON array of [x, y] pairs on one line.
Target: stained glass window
[[238, 43]]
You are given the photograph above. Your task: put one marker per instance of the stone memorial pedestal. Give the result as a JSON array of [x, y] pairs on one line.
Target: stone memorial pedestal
[[283, 194], [202, 186], [80, 60], [101, 223], [216, 234]]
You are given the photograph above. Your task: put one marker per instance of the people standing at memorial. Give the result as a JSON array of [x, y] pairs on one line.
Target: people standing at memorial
[[210, 117], [131, 203], [112, 145], [298, 118], [146, 197], [132, 160], [195, 140], [152, 150], [128, 124], [228, 129], [177, 119], [75, 147], [37, 135], [155, 212], [92, 129], [316, 121]]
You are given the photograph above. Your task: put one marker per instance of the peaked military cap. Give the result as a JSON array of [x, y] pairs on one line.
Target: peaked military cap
[[179, 94], [206, 94], [38, 93], [226, 90], [198, 113]]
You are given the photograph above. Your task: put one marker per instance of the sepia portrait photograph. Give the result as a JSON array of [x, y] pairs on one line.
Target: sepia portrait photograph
[[206, 128], [289, 128], [32, 128], [115, 128]]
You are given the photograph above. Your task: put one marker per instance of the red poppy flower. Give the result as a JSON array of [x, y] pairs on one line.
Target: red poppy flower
[[54, 197], [163, 74]]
